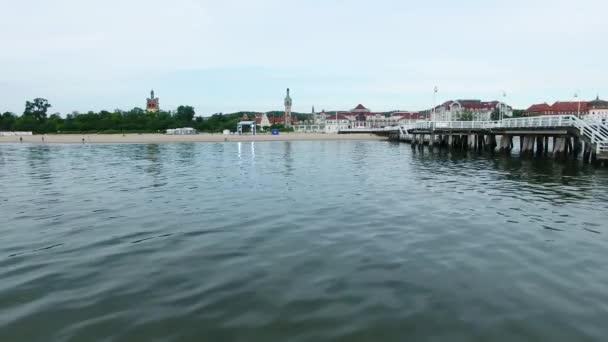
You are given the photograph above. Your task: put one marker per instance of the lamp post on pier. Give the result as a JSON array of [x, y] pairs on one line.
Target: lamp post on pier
[[578, 97], [502, 105], [433, 113]]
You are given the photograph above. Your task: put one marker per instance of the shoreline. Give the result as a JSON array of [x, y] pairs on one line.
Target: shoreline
[[163, 138]]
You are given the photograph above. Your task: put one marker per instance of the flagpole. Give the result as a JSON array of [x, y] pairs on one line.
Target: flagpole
[[337, 121], [434, 111], [578, 97]]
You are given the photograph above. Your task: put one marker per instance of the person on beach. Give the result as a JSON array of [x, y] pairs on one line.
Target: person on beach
[[20, 139], [83, 140], [42, 138]]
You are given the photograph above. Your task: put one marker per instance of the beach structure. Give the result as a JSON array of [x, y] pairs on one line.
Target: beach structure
[[241, 124], [14, 134], [182, 131], [152, 103]]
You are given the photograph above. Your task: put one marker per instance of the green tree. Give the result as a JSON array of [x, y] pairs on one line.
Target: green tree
[[37, 108], [185, 114], [495, 114], [27, 123], [466, 115], [52, 124], [517, 113], [7, 121]]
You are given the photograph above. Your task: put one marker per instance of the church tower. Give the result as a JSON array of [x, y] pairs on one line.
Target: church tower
[[152, 103], [288, 103]]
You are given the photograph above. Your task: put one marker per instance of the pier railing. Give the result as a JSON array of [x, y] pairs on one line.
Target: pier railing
[[539, 122], [433, 125]]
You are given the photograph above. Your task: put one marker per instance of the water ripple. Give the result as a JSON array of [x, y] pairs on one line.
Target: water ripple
[[306, 241]]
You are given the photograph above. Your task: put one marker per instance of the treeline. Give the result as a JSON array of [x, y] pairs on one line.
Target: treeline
[[35, 119]]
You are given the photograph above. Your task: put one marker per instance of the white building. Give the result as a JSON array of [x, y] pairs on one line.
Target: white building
[[470, 110], [336, 122], [598, 109], [14, 134], [181, 131], [264, 122]]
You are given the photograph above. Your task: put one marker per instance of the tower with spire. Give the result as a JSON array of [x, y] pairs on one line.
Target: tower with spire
[[288, 103], [152, 103]]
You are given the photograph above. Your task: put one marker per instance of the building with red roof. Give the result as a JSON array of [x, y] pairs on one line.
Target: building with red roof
[[363, 117], [559, 108], [478, 110], [598, 109], [539, 109]]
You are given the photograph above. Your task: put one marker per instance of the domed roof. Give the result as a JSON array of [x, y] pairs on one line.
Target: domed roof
[[598, 103]]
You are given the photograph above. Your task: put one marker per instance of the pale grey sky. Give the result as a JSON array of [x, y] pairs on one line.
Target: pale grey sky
[[223, 56]]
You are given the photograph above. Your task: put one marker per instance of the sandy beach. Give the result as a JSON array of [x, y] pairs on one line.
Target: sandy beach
[[162, 138]]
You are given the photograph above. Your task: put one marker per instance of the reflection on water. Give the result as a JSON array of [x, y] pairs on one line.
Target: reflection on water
[[299, 241]]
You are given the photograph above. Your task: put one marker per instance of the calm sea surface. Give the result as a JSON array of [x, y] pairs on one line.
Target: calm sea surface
[[299, 241]]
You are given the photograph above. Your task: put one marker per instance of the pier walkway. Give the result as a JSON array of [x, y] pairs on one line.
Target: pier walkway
[[565, 135]]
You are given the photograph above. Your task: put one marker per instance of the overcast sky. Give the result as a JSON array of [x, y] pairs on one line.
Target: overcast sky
[[229, 55]]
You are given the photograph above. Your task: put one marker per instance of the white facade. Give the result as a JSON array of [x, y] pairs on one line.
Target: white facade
[[333, 126], [181, 131], [14, 134], [480, 111], [309, 128], [599, 115], [598, 110], [264, 122]]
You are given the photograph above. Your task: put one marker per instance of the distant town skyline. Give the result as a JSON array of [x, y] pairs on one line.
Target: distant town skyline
[[242, 55]]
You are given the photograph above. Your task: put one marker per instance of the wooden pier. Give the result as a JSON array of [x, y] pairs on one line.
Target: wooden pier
[[564, 136]]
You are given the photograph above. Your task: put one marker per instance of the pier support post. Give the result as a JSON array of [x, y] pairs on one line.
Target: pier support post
[[539, 145], [531, 143], [577, 147], [521, 144], [506, 141], [527, 144], [559, 148], [492, 144], [586, 153]]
